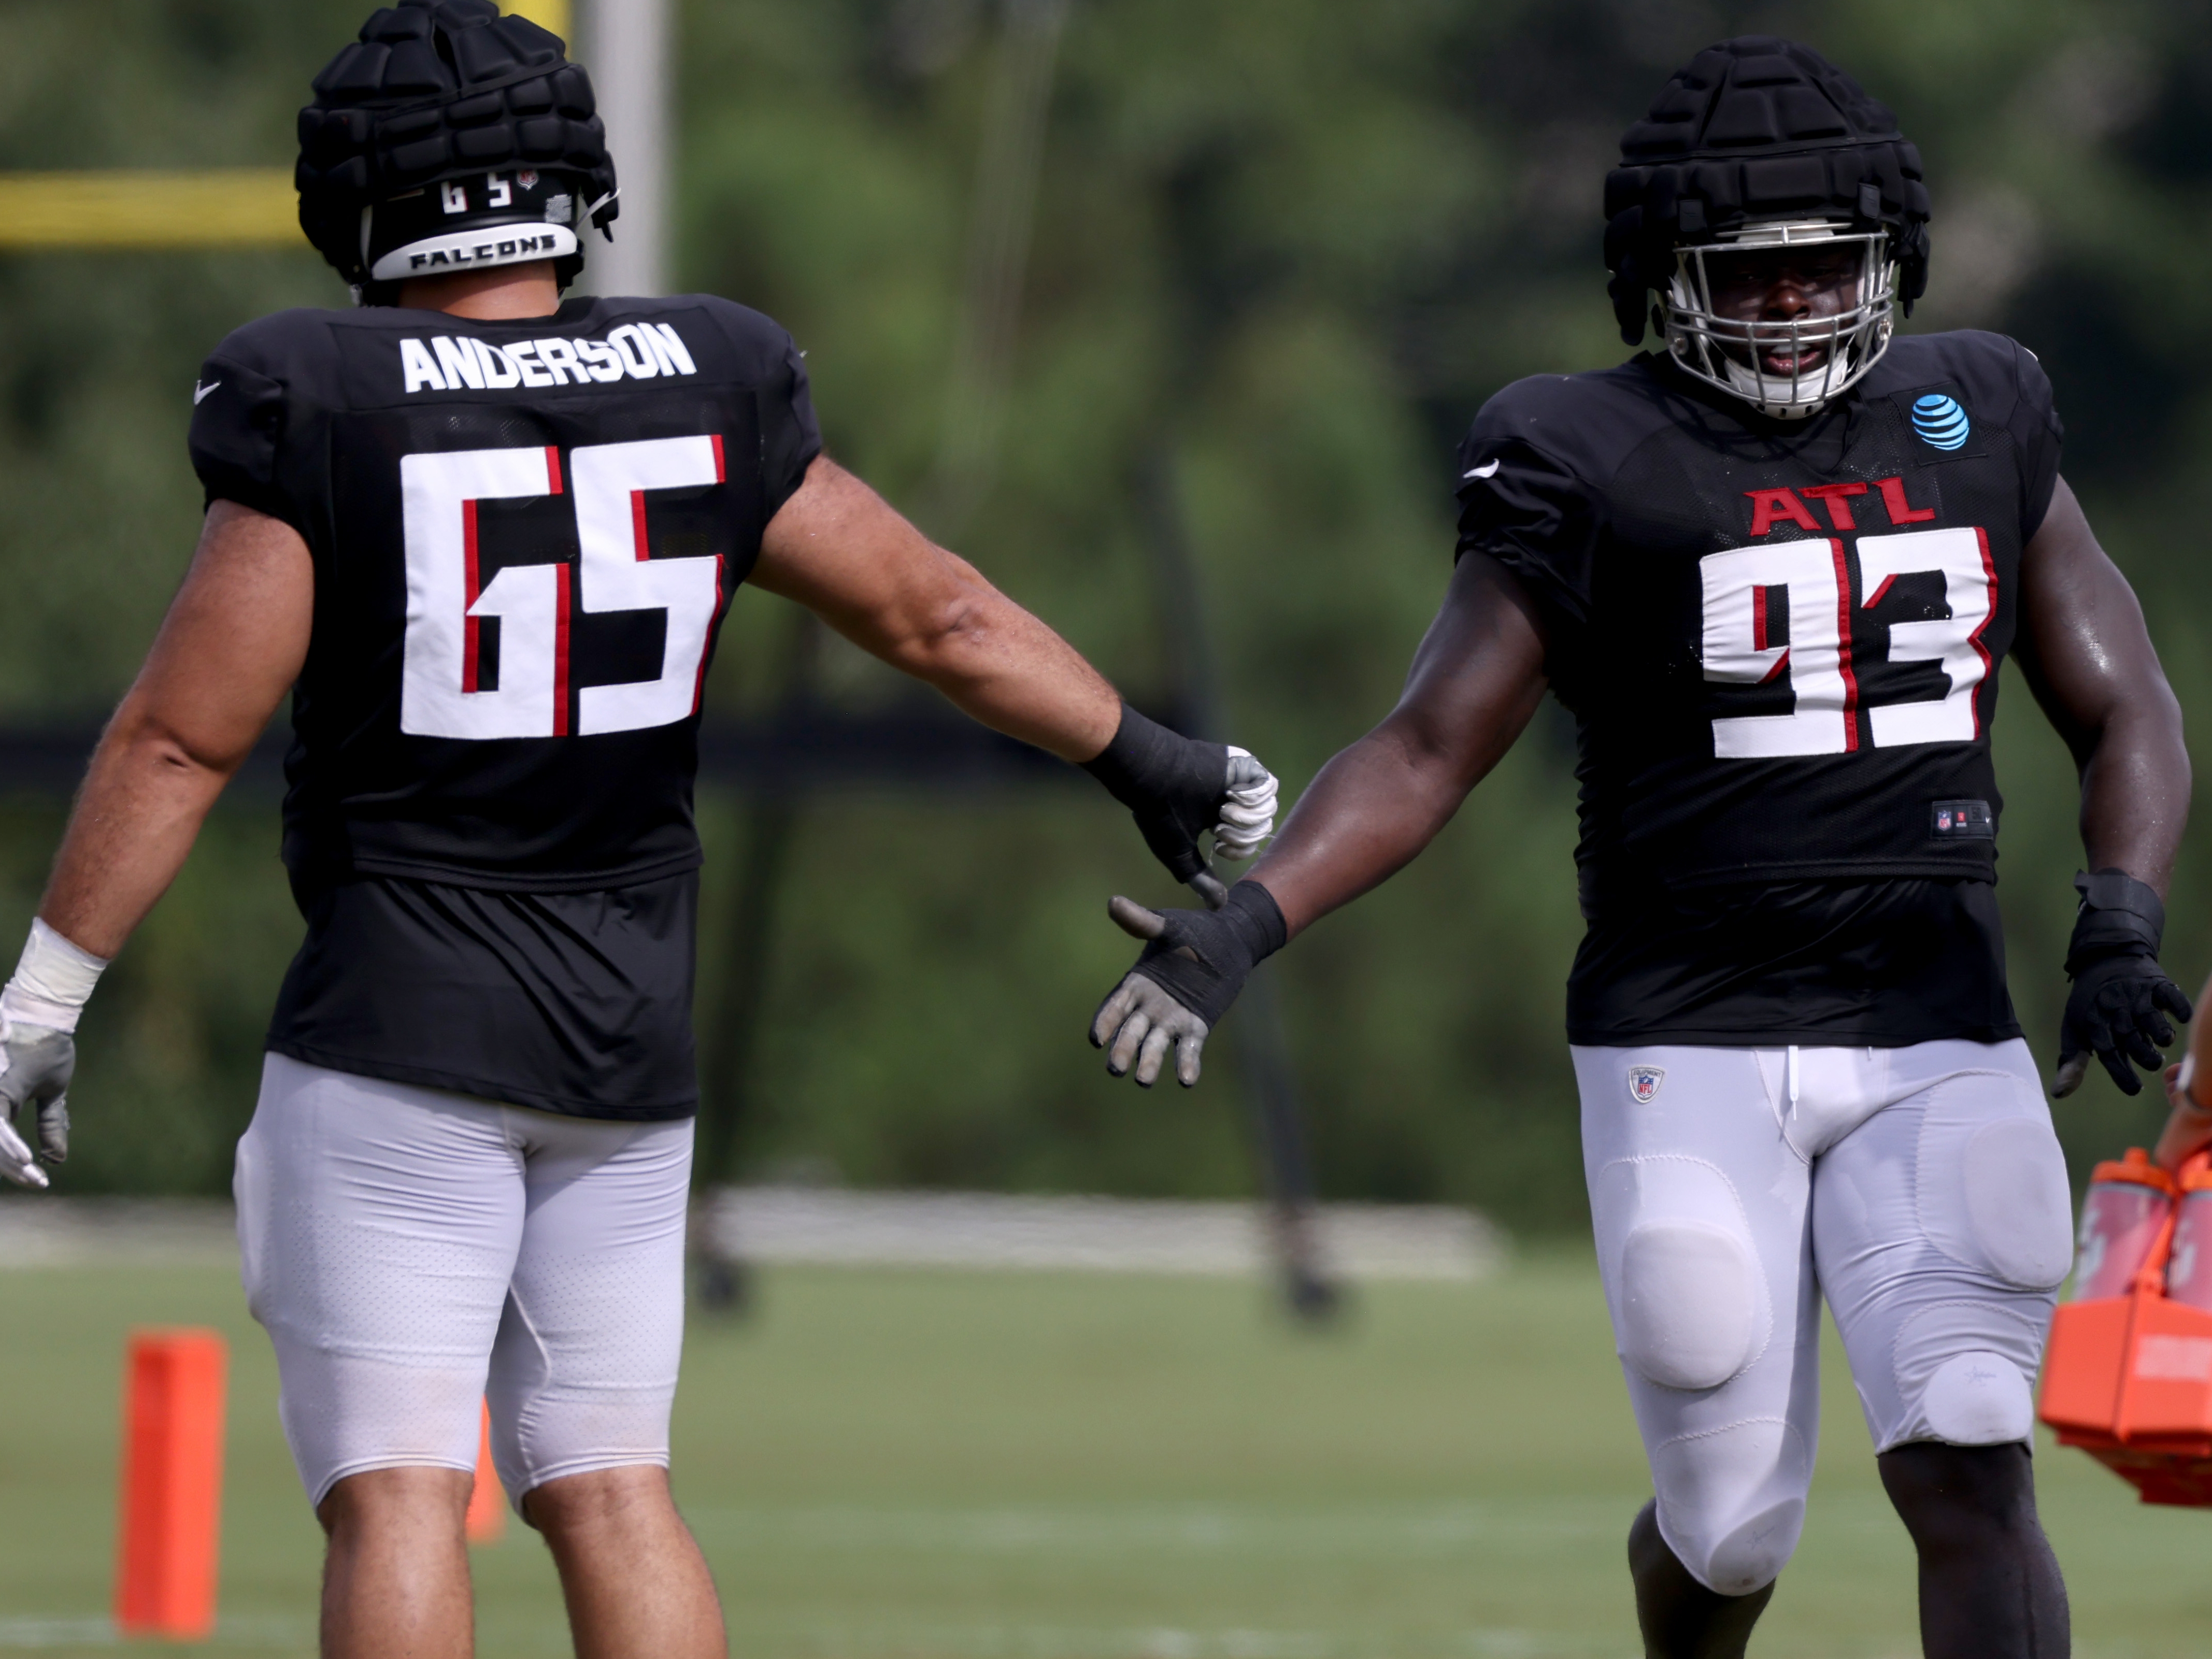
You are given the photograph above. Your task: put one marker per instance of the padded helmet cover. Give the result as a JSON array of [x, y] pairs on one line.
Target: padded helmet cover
[[1757, 129], [435, 90]]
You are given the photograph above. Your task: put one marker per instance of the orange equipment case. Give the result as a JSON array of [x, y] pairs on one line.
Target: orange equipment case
[[2129, 1378]]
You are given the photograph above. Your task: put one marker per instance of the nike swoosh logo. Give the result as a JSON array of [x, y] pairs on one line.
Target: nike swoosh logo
[[200, 396], [1482, 471]]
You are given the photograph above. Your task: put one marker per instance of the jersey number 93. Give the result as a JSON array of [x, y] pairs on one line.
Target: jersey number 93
[[1810, 583]]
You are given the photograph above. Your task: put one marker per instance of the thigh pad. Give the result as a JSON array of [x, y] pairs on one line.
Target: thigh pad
[[1690, 1304], [1991, 1183], [1943, 1229]]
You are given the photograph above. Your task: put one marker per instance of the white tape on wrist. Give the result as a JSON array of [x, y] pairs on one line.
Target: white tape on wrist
[[52, 982]]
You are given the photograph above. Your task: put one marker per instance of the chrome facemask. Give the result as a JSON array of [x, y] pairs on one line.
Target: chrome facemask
[[1706, 345]]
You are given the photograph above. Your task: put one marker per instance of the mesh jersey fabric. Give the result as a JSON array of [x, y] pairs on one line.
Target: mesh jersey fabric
[[1758, 728], [1879, 964], [573, 1003], [512, 523]]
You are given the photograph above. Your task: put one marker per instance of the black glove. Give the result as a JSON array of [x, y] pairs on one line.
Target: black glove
[[2121, 997], [1194, 964], [1178, 787]]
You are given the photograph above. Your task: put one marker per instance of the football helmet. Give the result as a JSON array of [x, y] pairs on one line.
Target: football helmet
[[447, 137], [1761, 148]]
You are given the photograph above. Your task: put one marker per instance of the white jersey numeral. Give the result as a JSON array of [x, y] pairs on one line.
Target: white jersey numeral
[[1738, 590], [1970, 584], [1813, 583], [441, 694], [438, 694], [611, 480]]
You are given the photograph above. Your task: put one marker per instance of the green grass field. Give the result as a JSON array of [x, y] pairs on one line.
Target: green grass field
[[1057, 1466]]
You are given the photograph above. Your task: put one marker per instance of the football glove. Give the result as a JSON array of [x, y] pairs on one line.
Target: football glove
[[38, 1052], [39, 1062], [2119, 1006], [1177, 788], [1194, 964]]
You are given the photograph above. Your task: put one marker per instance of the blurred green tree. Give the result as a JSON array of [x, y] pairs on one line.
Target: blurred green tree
[[1280, 254]]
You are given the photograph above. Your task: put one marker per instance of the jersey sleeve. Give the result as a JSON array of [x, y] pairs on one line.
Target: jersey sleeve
[[238, 428], [2040, 435], [1526, 511], [790, 437]]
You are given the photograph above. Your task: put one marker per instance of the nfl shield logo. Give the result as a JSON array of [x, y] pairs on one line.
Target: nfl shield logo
[[1643, 1082]]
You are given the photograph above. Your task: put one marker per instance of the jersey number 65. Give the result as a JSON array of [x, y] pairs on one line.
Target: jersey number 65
[[440, 692]]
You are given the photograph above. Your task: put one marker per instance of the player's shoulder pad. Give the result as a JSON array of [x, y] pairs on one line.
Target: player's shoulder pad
[[757, 342], [1996, 372], [1586, 424], [282, 343]]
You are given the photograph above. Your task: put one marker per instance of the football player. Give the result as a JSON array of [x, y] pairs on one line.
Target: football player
[[1772, 567], [485, 538]]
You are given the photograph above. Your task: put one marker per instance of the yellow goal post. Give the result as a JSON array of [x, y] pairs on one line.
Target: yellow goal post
[[147, 209]]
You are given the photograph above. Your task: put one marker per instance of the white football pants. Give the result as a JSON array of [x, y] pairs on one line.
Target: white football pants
[[413, 1252], [1920, 1188]]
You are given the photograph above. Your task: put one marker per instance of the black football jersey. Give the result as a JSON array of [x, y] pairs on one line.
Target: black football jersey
[[1779, 642], [525, 536], [574, 1003]]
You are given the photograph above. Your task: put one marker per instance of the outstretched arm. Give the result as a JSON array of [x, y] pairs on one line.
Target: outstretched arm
[[2088, 658], [838, 549], [1475, 682]]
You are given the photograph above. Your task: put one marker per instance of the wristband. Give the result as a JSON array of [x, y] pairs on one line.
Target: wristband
[[1202, 957], [1146, 760], [2119, 916], [1252, 910], [53, 982]]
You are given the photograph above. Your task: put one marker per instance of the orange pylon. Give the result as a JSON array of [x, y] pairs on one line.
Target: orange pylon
[[172, 1422], [487, 1517]]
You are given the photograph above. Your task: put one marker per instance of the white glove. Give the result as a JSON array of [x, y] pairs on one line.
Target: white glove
[[38, 1052], [36, 1063], [1248, 817]]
